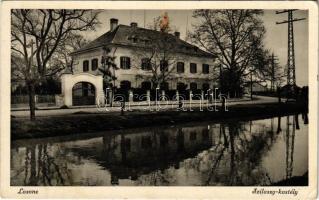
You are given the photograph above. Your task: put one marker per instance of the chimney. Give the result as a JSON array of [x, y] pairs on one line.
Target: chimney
[[134, 24], [177, 34], [113, 24]]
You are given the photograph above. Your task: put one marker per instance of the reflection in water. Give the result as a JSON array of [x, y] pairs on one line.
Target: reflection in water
[[228, 153]]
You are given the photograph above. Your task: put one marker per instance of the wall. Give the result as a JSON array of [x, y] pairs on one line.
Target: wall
[[69, 80]]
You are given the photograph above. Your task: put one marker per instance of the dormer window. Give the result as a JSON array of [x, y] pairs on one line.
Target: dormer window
[[146, 41], [133, 38]]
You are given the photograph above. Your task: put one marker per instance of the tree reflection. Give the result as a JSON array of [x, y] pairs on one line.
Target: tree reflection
[[243, 155], [40, 168], [305, 118], [279, 125], [228, 153]]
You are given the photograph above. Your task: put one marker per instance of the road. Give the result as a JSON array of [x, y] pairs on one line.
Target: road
[[138, 106]]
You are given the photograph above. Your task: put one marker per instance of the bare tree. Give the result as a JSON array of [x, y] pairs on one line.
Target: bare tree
[[265, 70], [108, 70], [233, 36], [258, 68], [37, 34], [61, 58]]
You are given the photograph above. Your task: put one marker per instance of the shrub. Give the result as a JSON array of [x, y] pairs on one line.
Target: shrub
[[64, 107]]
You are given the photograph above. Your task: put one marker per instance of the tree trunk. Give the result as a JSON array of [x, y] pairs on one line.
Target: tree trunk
[[111, 98], [251, 86], [279, 94], [279, 125], [155, 86], [31, 91]]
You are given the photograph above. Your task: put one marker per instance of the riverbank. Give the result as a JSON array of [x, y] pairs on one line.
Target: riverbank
[[295, 181], [78, 123]]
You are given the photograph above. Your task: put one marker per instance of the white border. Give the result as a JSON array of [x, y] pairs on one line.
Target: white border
[[212, 192]]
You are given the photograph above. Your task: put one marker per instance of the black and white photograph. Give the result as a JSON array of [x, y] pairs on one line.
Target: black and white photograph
[[159, 97]]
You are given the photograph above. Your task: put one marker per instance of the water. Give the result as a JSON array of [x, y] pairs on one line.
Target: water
[[231, 153]]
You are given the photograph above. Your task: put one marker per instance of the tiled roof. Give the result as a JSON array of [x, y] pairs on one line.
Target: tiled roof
[[122, 34]]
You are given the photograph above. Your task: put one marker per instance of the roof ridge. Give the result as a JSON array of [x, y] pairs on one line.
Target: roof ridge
[[88, 46], [117, 35]]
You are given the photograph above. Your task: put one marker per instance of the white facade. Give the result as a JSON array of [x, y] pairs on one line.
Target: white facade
[[136, 75], [130, 43]]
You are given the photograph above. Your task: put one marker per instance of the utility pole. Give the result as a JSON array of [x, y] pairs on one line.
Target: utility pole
[[291, 74], [290, 145], [273, 59]]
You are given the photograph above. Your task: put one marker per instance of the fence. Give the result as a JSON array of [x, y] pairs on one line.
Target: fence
[[137, 95], [24, 99]]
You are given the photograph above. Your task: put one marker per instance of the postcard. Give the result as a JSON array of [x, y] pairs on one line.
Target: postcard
[[159, 99]]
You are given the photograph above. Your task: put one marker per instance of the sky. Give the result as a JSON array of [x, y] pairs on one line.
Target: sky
[[181, 20]]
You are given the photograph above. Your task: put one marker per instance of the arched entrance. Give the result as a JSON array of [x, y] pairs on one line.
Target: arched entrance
[[83, 93], [82, 89]]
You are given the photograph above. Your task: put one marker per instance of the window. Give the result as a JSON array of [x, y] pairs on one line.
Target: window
[[146, 64], [164, 86], [146, 142], [205, 68], [205, 86], [193, 68], [85, 66], [205, 135], [125, 62], [193, 86], [146, 85], [133, 38], [94, 64], [125, 85], [146, 41], [192, 136], [181, 86], [126, 144], [163, 140], [180, 67], [164, 65]]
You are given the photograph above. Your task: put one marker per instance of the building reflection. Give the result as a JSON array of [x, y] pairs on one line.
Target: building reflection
[[228, 153], [132, 155]]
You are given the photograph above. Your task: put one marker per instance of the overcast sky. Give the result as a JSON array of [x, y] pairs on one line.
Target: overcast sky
[[181, 20]]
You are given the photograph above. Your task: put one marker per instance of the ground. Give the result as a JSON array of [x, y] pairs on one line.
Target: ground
[[89, 120]]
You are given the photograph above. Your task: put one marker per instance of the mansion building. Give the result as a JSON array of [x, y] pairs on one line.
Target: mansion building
[[191, 70]]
